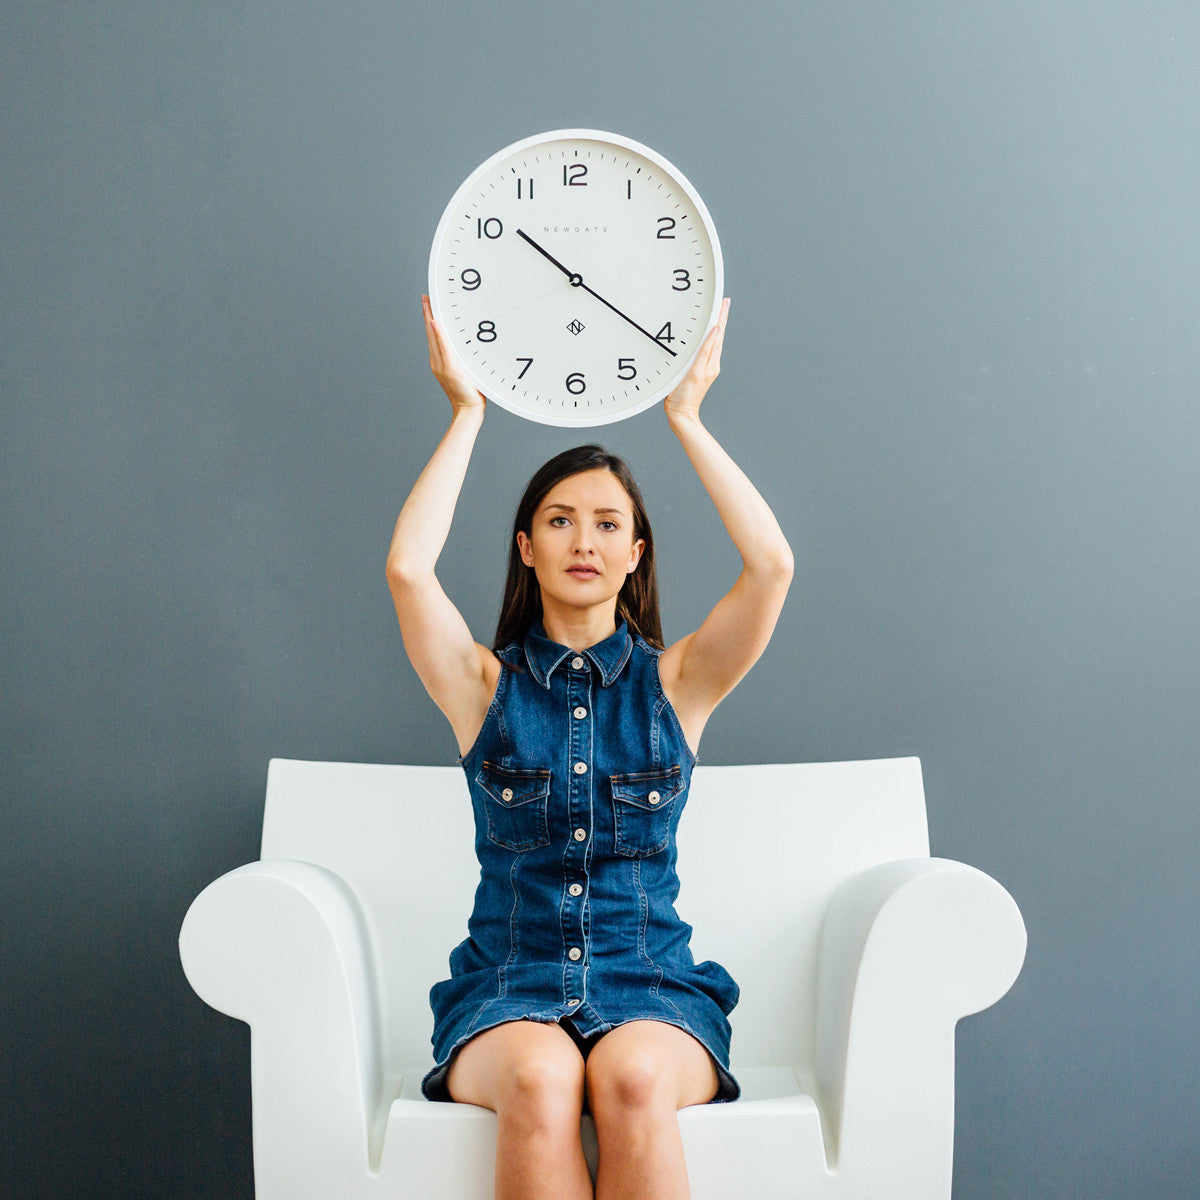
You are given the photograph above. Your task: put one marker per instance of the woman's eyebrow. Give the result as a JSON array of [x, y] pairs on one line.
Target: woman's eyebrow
[[570, 508]]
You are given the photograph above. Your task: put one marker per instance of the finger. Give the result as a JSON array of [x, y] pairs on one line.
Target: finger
[[431, 329], [719, 332], [439, 347], [706, 347], [710, 350]]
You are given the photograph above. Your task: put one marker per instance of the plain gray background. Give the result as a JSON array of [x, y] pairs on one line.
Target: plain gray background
[[962, 364]]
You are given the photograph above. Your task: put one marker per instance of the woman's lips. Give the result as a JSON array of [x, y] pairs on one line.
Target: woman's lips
[[583, 572]]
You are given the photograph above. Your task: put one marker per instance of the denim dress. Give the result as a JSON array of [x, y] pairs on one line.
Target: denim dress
[[578, 779]]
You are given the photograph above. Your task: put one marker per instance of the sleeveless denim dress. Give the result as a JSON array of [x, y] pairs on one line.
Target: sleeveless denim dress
[[578, 779]]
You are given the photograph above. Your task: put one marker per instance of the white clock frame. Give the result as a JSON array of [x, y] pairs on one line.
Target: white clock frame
[[506, 399]]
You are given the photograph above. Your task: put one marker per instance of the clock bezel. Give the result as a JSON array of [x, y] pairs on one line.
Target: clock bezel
[[677, 178]]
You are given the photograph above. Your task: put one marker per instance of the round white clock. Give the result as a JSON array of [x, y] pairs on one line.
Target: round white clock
[[576, 274]]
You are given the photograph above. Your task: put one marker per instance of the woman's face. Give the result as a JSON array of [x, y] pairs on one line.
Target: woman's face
[[580, 543]]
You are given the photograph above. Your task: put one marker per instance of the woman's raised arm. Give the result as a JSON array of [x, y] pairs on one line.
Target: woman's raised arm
[[701, 669], [459, 674]]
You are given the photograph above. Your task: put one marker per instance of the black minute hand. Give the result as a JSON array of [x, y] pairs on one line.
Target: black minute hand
[[576, 280]]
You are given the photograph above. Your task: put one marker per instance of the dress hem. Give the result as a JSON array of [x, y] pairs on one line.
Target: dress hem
[[434, 1088]]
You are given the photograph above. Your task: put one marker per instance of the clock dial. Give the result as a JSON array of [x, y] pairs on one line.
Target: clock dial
[[576, 274]]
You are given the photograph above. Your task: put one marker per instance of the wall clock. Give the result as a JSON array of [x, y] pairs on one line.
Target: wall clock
[[576, 274]]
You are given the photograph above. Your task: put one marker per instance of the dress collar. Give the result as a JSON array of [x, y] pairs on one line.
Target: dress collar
[[608, 656]]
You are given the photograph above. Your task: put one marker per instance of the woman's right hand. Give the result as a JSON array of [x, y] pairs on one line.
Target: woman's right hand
[[447, 369]]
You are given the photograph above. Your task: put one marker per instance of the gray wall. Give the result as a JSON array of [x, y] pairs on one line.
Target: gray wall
[[963, 365]]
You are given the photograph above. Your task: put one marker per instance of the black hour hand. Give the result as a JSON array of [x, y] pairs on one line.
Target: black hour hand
[[575, 279]]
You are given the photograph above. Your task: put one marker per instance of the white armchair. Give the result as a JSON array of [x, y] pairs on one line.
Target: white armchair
[[855, 951]]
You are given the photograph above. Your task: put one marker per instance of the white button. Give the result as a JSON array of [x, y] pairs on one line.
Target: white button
[[654, 797], [576, 889], [572, 1003], [506, 795], [581, 768], [580, 713], [581, 835], [574, 954], [577, 661]]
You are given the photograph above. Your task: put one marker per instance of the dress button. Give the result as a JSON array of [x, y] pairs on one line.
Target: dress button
[[576, 889], [572, 1003], [581, 768], [580, 713], [654, 797], [577, 661], [506, 795], [574, 954], [581, 835]]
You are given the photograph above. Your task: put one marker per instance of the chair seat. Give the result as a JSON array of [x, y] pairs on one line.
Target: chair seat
[[774, 1125], [758, 1084]]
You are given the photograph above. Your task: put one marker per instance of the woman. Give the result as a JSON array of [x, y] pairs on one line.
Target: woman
[[578, 732]]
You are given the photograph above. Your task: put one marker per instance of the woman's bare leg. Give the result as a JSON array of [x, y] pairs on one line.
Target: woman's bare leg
[[531, 1076], [638, 1077]]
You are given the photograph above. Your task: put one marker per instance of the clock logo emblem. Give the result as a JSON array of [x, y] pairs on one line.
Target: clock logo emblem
[[577, 327]]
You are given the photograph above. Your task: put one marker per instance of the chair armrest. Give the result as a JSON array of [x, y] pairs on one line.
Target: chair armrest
[[284, 946], [907, 948]]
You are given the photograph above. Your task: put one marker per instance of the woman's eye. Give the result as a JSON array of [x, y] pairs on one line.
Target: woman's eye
[[558, 522], [608, 526]]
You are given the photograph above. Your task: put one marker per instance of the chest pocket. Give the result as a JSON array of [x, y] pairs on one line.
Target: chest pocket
[[516, 803], [643, 804]]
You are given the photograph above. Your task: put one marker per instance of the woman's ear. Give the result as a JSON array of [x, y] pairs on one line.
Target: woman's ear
[[635, 555], [525, 546]]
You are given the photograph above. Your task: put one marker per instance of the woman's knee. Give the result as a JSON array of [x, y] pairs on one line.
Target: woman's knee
[[521, 1068], [648, 1066], [545, 1078], [630, 1081]]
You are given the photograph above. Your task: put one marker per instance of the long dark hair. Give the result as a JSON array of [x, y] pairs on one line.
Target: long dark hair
[[637, 603]]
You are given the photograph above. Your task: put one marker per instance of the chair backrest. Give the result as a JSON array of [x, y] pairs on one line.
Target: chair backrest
[[761, 850]]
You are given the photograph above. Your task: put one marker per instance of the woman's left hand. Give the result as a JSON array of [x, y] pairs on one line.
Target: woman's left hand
[[685, 400]]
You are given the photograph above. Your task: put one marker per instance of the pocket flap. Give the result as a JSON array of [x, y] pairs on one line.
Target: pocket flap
[[650, 790], [512, 786]]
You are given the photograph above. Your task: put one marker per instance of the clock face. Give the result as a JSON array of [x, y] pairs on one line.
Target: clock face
[[576, 274]]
